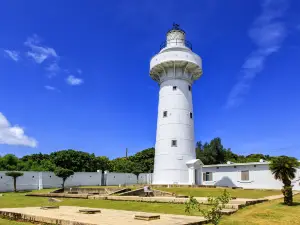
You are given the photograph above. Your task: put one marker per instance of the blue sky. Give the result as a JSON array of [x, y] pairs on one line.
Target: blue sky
[[75, 74]]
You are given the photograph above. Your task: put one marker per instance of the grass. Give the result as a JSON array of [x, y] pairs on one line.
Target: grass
[[16, 200], [273, 212], [205, 192], [269, 213]]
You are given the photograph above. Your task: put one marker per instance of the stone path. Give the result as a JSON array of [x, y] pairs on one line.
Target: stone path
[[69, 215]]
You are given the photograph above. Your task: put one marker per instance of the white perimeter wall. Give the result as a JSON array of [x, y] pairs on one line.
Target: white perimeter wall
[[260, 177], [120, 178], [145, 178], [38, 180], [30, 181]]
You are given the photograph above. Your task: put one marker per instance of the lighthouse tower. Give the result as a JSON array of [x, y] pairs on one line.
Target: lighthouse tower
[[175, 68]]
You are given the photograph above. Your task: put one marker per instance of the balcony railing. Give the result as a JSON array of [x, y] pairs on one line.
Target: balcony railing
[[175, 42]]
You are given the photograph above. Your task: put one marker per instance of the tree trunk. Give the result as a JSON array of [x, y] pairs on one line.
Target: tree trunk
[[15, 184], [287, 192], [63, 184]]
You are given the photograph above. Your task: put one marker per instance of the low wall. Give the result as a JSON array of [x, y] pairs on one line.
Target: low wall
[[120, 179], [40, 180], [32, 180]]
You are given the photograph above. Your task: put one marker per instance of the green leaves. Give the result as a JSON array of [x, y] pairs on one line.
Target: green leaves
[[213, 214], [63, 173], [14, 174], [284, 168]]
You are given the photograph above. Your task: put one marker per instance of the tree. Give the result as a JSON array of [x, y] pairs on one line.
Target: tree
[[77, 161], [284, 168], [102, 163], [211, 153], [122, 165], [14, 175], [144, 160], [9, 162], [64, 174]]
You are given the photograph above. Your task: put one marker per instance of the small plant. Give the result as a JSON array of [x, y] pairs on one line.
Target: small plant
[[212, 214], [64, 174], [14, 175], [191, 204]]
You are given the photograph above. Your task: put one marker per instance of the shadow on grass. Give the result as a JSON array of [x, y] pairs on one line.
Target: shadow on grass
[[294, 204], [19, 192]]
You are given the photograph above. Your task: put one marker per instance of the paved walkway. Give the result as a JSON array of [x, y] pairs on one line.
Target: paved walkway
[[69, 215]]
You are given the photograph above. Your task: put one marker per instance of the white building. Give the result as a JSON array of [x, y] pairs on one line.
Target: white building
[[175, 68], [255, 175]]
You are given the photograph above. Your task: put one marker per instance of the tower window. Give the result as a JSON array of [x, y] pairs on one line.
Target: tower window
[[174, 143], [190, 88], [174, 88], [191, 115], [165, 114]]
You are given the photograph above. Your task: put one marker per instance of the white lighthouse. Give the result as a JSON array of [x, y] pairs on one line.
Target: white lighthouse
[[175, 68]]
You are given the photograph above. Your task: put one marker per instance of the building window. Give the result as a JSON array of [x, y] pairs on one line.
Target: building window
[[217, 167], [174, 88], [174, 143], [245, 175], [165, 114], [234, 167], [190, 88], [207, 176], [191, 115]]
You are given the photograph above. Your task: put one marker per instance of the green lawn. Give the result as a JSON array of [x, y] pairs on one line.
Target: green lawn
[[15, 200], [205, 192], [269, 213], [261, 214]]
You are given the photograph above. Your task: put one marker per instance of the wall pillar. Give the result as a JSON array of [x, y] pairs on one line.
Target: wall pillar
[[40, 187]]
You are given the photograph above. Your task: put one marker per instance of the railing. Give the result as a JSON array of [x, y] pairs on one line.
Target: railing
[[178, 42]]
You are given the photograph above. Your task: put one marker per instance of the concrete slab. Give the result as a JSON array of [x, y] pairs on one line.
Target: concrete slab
[[69, 215]]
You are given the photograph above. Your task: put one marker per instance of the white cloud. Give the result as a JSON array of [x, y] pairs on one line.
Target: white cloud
[[51, 88], [71, 80], [14, 55], [38, 52], [267, 33], [14, 135], [53, 69]]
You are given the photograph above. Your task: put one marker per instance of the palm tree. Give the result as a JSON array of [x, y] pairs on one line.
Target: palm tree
[[284, 168]]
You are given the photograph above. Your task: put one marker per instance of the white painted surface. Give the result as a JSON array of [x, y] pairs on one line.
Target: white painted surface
[[145, 178], [120, 178], [30, 181], [260, 177], [174, 66], [40, 180]]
